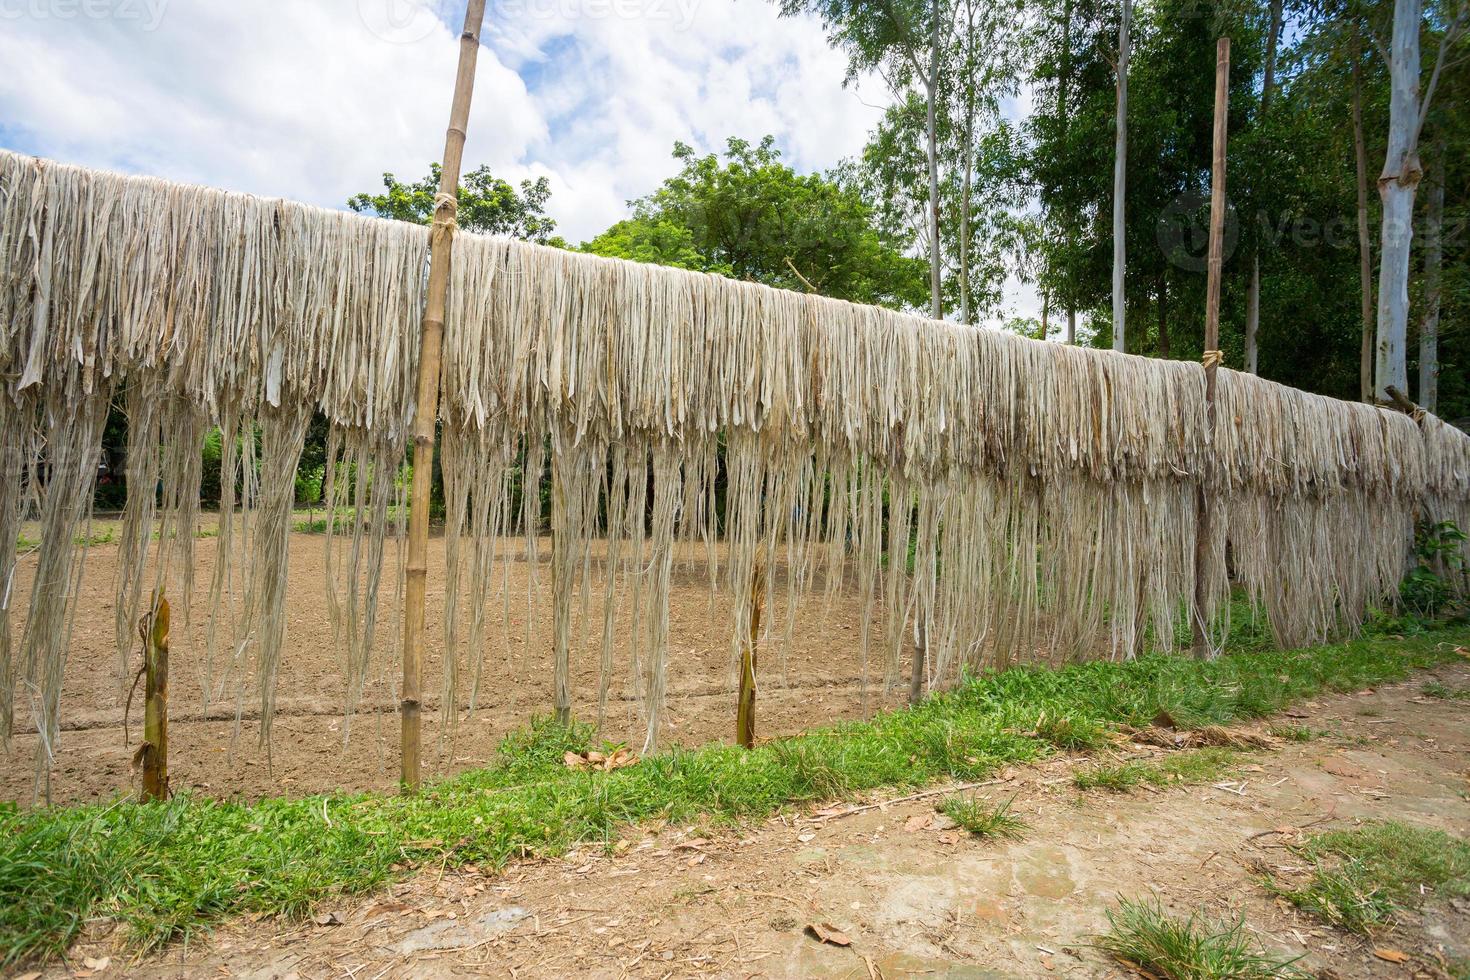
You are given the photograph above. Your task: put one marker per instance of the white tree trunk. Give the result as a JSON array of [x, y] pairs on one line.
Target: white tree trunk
[[1071, 326], [1397, 185], [1433, 258], [1120, 180], [931, 92]]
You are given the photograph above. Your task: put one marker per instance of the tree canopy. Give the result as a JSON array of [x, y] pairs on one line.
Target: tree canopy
[[750, 216], [487, 204]]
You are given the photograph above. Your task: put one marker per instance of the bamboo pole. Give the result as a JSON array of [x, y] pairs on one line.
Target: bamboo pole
[[1212, 335], [153, 753], [561, 599], [745, 709], [431, 336]]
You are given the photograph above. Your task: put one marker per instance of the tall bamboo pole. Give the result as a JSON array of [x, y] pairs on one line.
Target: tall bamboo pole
[[1212, 334], [431, 337]]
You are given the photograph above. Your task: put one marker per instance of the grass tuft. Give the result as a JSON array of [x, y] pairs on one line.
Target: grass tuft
[[1177, 769], [1435, 689], [1295, 733], [168, 870], [1362, 876], [1142, 935], [982, 819]]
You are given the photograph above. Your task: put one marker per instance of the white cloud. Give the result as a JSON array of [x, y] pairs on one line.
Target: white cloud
[[298, 99], [314, 99], [308, 99]]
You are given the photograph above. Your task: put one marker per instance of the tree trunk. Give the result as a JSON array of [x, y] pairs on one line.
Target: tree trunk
[[1397, 185], [931, 88], [1433, 258], [1253, 293], [1365, 245], [1252, 315], [1045, 312], [969, 165], [936, 299], [1120, 181], [1163, 314], [1064, 74]]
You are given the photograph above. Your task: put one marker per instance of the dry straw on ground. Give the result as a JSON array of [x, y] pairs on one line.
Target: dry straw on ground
[[1046, 493]]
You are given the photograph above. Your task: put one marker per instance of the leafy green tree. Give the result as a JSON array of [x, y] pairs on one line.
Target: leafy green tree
[[487, 204], [656, 240], [749, 216]]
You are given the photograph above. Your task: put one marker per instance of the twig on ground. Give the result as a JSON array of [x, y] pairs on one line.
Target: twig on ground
[[906, 799]]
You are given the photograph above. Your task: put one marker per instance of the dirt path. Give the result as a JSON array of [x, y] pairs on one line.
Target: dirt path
[[915, 900]]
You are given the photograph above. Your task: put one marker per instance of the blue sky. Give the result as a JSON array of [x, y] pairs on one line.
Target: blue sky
[[315, 99]]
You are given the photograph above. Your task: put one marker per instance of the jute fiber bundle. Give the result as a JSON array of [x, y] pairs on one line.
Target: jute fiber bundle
[[1320, 497], [1447, 489], [1010, 500]]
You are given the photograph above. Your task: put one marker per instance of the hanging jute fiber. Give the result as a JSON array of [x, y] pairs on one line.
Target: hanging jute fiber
[[1019, 501]]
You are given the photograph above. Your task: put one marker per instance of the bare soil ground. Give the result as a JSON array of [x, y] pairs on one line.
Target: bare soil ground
[[914, 899], [812, 680]]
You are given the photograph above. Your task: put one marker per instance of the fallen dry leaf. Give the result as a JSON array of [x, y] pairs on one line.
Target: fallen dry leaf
[[828, 933], [803, 838], [1391, 955], [97, 964], [918, 822], [949, 837], [327, 919]]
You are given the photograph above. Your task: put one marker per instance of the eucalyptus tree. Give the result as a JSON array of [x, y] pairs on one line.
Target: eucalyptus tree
[[906, 42], [1120, 180], [1253, 295], [1398, 182], [981, 190]]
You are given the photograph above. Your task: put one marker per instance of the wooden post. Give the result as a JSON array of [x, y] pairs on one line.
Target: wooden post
[[745, 710], [561, 596], [431, 337], [153, 753], [1212, 336], [921, 653]]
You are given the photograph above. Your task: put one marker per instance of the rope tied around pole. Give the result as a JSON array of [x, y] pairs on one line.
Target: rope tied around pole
[[1212, 359], [446, 209]]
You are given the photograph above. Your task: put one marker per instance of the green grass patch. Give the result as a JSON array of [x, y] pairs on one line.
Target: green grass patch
[[1296, 733], [1144, 936], [983, 819], [1178, 769], [1362, 876], [1435, 689], [168, 870]]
